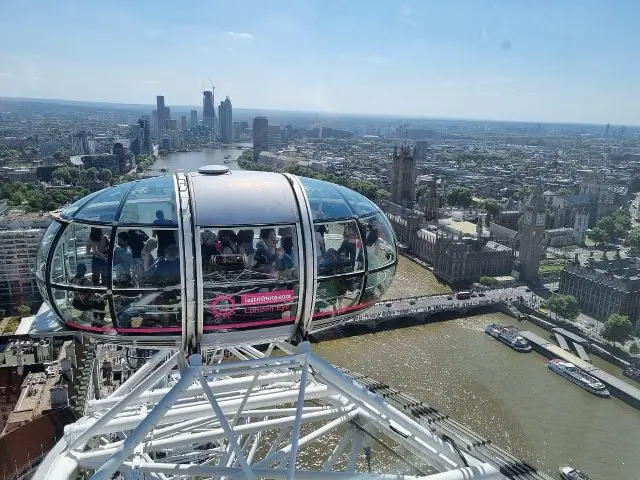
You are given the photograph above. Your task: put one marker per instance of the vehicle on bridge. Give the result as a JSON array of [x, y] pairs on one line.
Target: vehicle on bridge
[[463, 295]]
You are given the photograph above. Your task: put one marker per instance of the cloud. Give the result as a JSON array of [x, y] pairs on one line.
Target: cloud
[[406, 10], [244, 35]]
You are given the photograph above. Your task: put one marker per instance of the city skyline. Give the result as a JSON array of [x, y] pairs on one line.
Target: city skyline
[[541, 63]]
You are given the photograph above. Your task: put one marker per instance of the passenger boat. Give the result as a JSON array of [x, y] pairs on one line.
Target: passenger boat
[[164, 169], [227, 157], [633, 372], [579, 377], [570, 473], [509, 336]]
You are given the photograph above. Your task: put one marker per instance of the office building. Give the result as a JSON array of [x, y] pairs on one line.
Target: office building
[[420, 151], [82, 144], [260, 135], [194, 118], [403, 177], [145, 140], [18, 250], [208, 109], [183, 123], [603, 288], [225, 117], [274, 137], [244, 126], [163, 114]]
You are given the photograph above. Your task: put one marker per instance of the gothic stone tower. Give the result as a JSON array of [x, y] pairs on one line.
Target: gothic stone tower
[[403, 177], [531, 234], [431, 204]]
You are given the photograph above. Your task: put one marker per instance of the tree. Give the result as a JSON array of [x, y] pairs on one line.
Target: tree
[[382, 194], [633, 240], [618, 328], [488, 281], [460, 196], [493, 207], [598, 235], [23, 309], [634, 349], [2, 312], [564, 192], [565, 306], [105, 175]]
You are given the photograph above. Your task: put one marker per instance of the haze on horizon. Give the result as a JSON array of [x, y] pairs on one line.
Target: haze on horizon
[[546, 61]]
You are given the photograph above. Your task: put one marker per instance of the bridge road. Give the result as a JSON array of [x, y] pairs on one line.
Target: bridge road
[[388, 309]]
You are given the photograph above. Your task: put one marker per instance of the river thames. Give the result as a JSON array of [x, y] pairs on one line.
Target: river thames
[[511, 398]]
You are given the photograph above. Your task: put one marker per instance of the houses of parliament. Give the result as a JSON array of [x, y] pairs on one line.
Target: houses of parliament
[[462, 246]]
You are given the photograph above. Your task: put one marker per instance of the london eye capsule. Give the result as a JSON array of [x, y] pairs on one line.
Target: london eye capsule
[[214, 258]]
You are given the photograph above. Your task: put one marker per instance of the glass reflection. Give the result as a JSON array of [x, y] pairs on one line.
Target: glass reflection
[[104, 206], [337, 296], [83, 307], [81, 244], [69, 212], [339, 248], [377, 283], [139, 311], [360, 204], [43, 249], [239, 254], [147, 198], [250, 277], [326, 202], [379, 241]]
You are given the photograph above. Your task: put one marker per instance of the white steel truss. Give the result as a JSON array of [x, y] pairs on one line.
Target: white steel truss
[[250, 414]]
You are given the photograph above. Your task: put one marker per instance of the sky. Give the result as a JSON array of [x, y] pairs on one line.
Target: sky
[[543, 60]]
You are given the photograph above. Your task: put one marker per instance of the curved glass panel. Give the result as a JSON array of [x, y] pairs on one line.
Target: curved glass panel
[[148, 312], [145, 258], [326, 202], [337, 296], [43, 249], [360, 204], [376, 284], [83, 308], [379, 241], [250, 276], [339, 248], [151, 201], [81, 254], [69, 211], [104, 206]]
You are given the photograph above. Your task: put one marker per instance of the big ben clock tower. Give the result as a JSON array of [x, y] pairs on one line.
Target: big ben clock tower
[[531, 235]]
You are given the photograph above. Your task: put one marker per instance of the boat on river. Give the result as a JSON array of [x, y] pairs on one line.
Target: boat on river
[[164, 169], [227, 157], [570, 473], [509, 336], [579, 377]]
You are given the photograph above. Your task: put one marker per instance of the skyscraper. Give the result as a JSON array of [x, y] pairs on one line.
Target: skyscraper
[[194, 118], [274, 137], [163, 114], [183, 123], [226, 121], [260, 135], [420, 151], [403, 177], [531, 235], [208, 109]]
